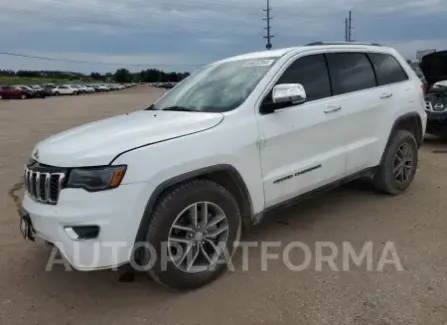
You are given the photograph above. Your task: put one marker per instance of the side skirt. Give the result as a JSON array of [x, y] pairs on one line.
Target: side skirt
[[366, 173]]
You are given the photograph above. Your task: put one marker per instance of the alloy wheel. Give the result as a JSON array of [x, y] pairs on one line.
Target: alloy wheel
[[403, 163], [198, 237]]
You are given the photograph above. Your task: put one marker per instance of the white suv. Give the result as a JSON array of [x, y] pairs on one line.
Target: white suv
[[65, 90], [235, 139]]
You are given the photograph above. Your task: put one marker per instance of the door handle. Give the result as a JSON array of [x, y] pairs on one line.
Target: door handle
[[332, 109], [386, 95]]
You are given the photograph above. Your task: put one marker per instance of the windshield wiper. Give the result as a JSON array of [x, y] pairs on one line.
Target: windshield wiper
[[150, 108], [179, 109]]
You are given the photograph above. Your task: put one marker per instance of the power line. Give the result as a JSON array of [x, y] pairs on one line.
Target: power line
[[95, 62], [268, 28]]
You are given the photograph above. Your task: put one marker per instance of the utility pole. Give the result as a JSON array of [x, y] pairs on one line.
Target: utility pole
[[268, 28], [350, 27], [346, 29]]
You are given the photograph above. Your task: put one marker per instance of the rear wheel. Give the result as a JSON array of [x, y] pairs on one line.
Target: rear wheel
[[194, 229], [399, 165]]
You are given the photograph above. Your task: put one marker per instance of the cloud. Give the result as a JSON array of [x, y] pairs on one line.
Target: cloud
[[195, 31], [409, 49]]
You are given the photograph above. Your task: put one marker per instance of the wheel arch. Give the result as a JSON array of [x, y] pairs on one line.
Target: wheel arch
[[223, 174], [410, 122]]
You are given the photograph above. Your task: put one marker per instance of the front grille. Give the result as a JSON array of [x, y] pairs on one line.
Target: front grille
[[435, 107], [43, 184]]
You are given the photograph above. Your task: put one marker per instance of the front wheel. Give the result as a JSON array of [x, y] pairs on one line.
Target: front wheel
[[194, 229], [399, 164]]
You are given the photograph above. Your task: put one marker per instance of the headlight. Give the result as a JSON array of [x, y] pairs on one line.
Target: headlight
[[96, 178]]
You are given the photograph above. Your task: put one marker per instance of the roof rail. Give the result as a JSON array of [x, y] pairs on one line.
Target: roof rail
[[342, 43]]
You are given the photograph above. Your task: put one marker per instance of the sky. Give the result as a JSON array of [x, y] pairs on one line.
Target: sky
[[182, 35]]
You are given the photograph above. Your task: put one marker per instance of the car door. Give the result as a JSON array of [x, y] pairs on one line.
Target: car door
[[6, 92], [396, 92], [300, 149], [362, 110], [16, 92]]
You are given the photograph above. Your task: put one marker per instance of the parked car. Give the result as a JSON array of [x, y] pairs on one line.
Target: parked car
[[89, 89], [434, 67], [238, 138], [103, 87], [45, 91], [34, 93], [80, 88], [14, 92], [65, 90], [96, 87]]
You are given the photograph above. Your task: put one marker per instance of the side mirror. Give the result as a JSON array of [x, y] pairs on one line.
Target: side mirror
[[292, 94]]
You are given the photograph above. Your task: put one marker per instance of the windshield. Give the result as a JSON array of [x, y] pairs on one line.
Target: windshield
[[216, 88]]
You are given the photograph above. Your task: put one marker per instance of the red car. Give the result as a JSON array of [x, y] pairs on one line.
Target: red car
[[8, 92]]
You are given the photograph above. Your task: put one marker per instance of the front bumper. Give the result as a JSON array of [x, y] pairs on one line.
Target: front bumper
[[437, 123], [117, 212]]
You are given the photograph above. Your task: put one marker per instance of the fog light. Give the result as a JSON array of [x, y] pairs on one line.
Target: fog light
[[82, 232]]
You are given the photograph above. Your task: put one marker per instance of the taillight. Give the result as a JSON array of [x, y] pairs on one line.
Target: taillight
[[424, 89]]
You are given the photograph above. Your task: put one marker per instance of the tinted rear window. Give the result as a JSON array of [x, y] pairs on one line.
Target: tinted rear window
[[350, 72], [388, 69]]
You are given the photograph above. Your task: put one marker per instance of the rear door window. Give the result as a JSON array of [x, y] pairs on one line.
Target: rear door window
[[350, 72], [388, 69]]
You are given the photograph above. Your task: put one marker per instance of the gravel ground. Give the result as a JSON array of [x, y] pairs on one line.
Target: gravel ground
[[414, 223]]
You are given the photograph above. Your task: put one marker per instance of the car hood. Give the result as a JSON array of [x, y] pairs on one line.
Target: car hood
[[98, 143], [434, 67]]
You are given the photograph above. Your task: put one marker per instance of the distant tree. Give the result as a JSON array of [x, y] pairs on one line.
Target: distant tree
[[122, 75], [109, 76], [7, 73], [96, 76]]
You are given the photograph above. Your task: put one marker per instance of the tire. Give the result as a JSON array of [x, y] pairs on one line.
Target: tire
[[57, 93], [389, 178], [23, 96], [175, 275]]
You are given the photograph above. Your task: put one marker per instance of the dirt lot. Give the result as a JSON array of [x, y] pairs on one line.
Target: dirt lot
[[415, 222]]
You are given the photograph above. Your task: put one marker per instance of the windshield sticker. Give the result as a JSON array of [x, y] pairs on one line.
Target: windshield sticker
[[258, 63]]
